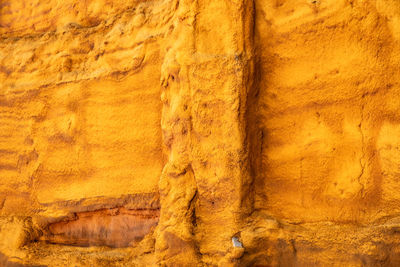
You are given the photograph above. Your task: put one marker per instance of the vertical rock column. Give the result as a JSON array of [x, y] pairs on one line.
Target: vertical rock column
[[205, 185], [177, 185]]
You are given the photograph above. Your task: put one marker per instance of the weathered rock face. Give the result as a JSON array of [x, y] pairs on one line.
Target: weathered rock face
[[199, 133], [323, 101]]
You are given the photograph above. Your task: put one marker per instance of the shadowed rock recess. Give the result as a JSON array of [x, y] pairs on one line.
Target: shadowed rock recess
[[200, 133]]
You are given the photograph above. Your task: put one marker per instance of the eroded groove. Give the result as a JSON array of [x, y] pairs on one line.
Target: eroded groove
[[117, 227]]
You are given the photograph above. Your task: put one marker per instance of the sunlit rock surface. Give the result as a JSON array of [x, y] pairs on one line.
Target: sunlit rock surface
[[200, 133]]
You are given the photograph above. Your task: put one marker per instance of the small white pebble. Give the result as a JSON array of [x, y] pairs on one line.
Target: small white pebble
[[236, 243]]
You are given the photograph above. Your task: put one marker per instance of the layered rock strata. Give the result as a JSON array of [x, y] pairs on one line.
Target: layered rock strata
[[199, 133]]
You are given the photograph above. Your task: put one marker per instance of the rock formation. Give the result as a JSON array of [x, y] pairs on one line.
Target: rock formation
[[199, 133]]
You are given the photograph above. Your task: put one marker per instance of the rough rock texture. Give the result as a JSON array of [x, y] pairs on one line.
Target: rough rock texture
[[199, 133]]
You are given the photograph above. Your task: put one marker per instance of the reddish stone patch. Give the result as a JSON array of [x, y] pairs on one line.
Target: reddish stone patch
[[118, 227]]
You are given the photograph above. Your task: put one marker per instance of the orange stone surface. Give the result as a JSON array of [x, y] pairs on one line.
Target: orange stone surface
[[200, 133]]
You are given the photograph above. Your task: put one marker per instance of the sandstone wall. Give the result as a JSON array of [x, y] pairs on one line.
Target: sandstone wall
[[199, 133]]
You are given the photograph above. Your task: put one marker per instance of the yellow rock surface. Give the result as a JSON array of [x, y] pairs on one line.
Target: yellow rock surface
[[199, 133]]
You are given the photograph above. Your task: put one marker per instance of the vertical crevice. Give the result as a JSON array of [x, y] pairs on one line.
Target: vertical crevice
[[363, 152]]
